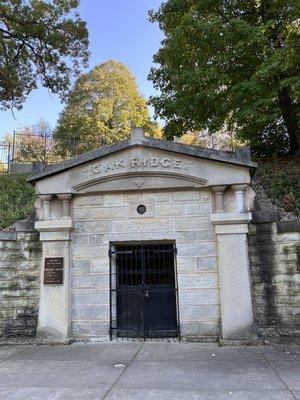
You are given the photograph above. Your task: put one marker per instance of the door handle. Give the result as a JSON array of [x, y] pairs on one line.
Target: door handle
[[147, 293]]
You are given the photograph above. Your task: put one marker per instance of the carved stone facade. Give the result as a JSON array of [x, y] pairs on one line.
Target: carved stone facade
[[197, 199]]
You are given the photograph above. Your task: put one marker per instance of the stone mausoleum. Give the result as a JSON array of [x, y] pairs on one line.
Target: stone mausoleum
[[146, 238]]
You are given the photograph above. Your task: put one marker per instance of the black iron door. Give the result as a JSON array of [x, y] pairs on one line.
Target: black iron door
[[144, 295]]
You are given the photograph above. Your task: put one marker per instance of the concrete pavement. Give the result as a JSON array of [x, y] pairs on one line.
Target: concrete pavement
[[149, 371]]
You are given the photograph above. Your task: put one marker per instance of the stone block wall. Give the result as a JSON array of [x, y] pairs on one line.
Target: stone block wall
[[274, 251], [182, 217], [20, 257]]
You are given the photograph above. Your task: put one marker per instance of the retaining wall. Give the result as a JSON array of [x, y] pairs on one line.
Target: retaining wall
[[274, 252], [20, 255]]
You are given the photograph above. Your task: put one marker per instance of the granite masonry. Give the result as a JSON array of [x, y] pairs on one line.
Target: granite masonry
[[148, 238]]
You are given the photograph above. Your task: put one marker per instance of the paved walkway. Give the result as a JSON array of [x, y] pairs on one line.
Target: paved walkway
[[149, 371]]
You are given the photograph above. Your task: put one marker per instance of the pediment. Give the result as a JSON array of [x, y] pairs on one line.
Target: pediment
[[145, 180], [140, 167]]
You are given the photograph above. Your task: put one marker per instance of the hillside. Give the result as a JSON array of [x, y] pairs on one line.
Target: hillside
[[277, 185], [16, 199]]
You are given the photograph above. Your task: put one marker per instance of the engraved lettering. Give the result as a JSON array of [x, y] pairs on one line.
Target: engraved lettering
[[188, 165], [119, 164], [166, 162], [134, 162], [153, 162], [177, 163]]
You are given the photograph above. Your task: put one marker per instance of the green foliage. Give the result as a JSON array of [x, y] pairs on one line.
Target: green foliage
[[280, 180], [103, 107], [40, 42], [16, 198], [230, 62]]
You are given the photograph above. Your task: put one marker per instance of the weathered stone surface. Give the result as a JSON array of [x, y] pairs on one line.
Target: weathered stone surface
[[199, 296], [80, 298], [100, 266], [88, 201], [89, 313], [197, 209], [198, 313], [274, 265], [90, 281], [20, 254], [203, 280], [96, 239], [207, 264], [186, 196], [200, 329], [197, 249], [80, 267], [82, 213], [99, 297], [80, 329], [169, 210], [89, 252], [109, 212]]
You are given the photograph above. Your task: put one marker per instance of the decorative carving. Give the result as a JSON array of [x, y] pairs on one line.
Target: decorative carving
[[139, 182], [137, 202]]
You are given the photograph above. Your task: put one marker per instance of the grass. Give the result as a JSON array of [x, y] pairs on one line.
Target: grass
[[17, 199]]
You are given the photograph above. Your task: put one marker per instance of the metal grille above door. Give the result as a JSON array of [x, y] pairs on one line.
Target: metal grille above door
[[143, 291]]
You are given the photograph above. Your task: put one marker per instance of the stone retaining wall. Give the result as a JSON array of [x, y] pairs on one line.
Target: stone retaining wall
[[274, 249], [20, 255]]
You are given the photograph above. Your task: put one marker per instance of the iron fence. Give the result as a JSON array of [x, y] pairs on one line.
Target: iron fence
[[25, 148], [6, 152]]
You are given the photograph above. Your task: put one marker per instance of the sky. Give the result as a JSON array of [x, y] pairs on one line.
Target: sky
[[118, 29]]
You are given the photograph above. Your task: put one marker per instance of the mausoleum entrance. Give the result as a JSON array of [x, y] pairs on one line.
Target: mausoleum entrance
[[143, 290], [146, 238]]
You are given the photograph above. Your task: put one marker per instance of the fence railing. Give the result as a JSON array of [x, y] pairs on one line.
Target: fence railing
[[5, 156], [26, 148]]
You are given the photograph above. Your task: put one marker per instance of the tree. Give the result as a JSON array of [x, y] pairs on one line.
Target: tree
[[33, 142], [103, 107], [40, 42], [230, 62]]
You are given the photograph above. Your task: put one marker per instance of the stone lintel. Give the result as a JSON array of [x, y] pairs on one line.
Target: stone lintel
[[54, 226]]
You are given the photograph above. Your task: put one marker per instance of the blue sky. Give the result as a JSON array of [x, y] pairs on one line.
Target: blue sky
[[119, 30]]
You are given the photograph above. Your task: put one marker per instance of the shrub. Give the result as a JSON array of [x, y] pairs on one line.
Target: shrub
[[16, 199]]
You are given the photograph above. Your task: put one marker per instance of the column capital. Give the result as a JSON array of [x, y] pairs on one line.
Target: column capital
[[64, 196], [239, 187], [45, 197], [218, 188]]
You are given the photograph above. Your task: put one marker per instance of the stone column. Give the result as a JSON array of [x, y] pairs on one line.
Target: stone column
[[66, 202], [54, 304], [239, 191], [46, 202], [219, 197], [235, 283]]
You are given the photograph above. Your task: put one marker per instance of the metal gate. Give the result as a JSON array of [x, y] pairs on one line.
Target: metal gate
[[143, 291]]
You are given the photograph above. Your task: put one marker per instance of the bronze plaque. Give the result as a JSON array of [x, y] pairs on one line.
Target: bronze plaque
[[54, 271]]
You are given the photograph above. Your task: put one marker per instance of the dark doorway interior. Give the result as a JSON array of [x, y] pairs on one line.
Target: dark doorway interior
[[143, 291]]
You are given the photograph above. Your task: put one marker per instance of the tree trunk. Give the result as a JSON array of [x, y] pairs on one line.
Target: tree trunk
[[289, 114]]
